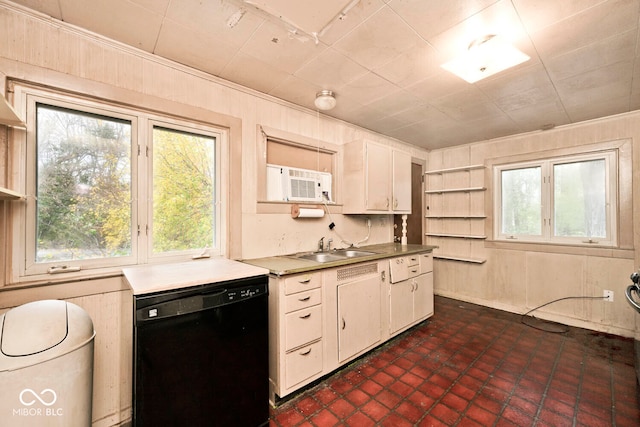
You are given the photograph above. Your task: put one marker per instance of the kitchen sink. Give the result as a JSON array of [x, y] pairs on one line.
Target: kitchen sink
[[351, 253], [335, 255], [321, 257]]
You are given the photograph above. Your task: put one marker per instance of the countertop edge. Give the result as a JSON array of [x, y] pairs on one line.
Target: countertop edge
[[283, 265]]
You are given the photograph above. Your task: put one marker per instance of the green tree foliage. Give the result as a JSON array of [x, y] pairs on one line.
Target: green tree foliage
[[183, 190], [84, 186]]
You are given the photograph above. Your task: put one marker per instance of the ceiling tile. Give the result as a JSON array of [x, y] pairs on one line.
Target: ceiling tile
[[412, 66], [307, 15], [175, 42], [297, 90], [590, 26], [331, 69], [356, 16], [513, 90], [596, 55], [432, 17], [48, 7], [275, 45], [216, 20], [537, 14], [240, 70], [539, 115], [367, 89], [133, 25], [378, 40]]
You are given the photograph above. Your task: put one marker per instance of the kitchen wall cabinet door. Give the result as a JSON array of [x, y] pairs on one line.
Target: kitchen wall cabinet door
[[359, 319], [401, 182], [377, 179]]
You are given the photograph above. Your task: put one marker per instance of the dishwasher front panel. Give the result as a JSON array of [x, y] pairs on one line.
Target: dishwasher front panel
[[201, 356]]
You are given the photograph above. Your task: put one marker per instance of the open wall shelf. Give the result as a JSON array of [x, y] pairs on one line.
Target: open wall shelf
[[458, 169], [461, 259], [6, 194], [444, 195], [456, 190]]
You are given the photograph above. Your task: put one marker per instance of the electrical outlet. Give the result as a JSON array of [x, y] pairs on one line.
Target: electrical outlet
[[607, 295]]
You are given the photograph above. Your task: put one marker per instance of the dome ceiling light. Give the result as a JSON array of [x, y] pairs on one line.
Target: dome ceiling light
[[325, 100], [485, 57]]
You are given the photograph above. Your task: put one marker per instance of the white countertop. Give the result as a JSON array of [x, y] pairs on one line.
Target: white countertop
[[166, 277]]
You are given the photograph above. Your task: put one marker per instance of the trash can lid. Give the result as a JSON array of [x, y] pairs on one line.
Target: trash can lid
[[34, 327]]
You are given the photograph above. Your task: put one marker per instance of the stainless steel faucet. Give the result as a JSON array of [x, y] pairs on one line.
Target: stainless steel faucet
[[321, 245]]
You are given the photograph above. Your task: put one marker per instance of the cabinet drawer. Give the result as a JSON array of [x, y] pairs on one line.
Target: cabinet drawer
[[302, 282], [426, 263], [413, 260], [303, 326], [302, 300], [414, 270], [303, 363]]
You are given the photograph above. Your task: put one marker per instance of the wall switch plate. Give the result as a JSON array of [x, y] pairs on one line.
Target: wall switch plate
[[607, 295]]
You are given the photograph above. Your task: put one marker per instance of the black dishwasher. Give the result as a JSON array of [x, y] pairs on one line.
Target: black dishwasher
[[201, 356]]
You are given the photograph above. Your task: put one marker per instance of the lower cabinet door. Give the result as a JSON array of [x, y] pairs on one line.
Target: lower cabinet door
[[401, 305], [423, 296], [359, 320]]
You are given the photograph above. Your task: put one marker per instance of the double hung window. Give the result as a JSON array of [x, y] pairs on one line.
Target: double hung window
[[565, 200], [110, 186]]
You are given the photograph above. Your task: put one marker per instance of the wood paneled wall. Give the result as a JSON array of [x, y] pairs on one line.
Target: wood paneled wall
[[520, 277]]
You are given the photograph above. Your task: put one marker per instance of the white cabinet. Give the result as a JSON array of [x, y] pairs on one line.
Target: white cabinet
[[377, 179], [411, 291], [295, 332], [320, 321], [359, 320]]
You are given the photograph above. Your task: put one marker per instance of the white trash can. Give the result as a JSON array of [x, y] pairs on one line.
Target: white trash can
[[46, 365]]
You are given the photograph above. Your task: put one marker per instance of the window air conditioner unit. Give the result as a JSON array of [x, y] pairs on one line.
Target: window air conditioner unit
[[297, 185]]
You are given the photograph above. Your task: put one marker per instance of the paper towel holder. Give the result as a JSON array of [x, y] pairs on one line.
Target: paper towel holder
[[306, 211]]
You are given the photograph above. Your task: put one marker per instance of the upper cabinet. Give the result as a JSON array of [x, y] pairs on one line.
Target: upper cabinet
[[377, 179]]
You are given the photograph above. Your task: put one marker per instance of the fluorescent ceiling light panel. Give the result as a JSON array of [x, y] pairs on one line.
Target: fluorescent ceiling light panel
[[485, 58]]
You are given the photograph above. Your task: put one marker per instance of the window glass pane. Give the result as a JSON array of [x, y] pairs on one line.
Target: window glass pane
[[83, 186], [521, 201], [580, 199], [183, 190]]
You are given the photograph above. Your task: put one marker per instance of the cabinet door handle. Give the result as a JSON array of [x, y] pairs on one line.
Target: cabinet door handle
[[307, 280], [306, 316], [344, 324], [387, 203], [395, 203], [305, 353], [304, 299], [415, 270], [383, 275]]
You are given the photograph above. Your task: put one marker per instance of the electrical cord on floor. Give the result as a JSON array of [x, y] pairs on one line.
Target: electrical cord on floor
[[562, 328]]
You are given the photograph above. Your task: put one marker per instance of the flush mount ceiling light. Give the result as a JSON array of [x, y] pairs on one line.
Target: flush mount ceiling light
[[485, 57], [325, 100]]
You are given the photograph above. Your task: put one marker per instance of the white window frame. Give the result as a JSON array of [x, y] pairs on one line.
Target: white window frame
[[547, 199], [24, 267]]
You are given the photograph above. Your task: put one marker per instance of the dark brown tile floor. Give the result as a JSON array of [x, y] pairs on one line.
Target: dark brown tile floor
[[473, 366]]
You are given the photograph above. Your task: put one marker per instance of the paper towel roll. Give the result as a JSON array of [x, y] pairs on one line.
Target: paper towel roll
[[298, 212]]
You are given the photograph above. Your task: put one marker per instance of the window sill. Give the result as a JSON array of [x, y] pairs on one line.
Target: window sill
[[599, 251]]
